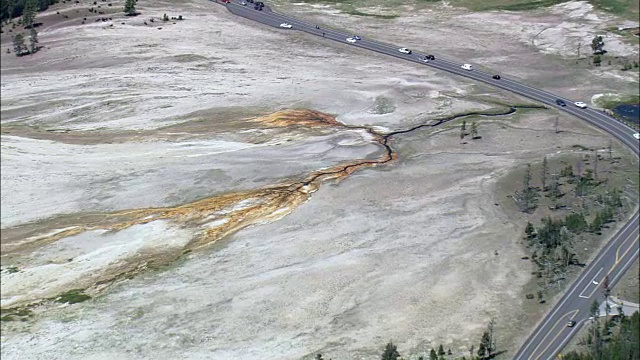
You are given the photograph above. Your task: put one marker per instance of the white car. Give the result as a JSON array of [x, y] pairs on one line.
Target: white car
[[637, 136], [467, 67], [404, 50], [351, 40], [285, 25], [580, 104]]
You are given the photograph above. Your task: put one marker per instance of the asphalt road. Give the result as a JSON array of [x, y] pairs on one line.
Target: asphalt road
[[552, 333]]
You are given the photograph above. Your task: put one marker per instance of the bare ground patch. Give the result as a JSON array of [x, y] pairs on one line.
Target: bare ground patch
[[405, 251]]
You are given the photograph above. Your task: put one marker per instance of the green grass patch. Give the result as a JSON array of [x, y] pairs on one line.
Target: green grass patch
[[383, 106], [509, 5], [628, 9], [15, 314], [73, 296], [379, 16], [610, 101], [618, 7]]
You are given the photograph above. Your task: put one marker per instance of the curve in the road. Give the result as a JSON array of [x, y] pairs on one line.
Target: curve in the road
[[551, 334]]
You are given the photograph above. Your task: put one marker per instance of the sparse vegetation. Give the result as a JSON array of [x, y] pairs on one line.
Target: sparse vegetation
[[578, 205], [73, 296], [383, 105], [15, 314]]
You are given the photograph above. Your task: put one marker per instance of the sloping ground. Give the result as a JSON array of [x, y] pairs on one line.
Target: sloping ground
[[114, 166]]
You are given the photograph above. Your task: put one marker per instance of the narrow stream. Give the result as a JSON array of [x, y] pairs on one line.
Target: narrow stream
[[384, 139]]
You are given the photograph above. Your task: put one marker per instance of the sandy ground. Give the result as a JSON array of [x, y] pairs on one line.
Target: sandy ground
[[403, 251]]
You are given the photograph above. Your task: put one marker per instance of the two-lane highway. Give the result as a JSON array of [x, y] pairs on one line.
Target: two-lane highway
[[613, 260]]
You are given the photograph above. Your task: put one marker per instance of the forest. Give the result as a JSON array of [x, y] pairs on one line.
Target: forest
[[14, 8]]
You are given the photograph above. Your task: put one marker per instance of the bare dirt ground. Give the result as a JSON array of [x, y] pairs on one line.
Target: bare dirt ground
[[123, 144], [628, 287]]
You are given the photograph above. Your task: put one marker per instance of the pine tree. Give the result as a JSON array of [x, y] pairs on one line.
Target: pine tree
[[595, 167], [18, 44], [529, 230], [543, 175], [490, 342], [554, 190], [482, 350], [474, 130], [597, 45], [390, 352], [441, 350], [29, 13], [33, 40], [433, 355], [130, 7], [464, 125]]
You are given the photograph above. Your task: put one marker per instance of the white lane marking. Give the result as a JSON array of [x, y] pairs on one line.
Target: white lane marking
[[593, 282], [633, 221]]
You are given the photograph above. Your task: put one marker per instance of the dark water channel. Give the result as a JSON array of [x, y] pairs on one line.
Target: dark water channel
[[629, 112]]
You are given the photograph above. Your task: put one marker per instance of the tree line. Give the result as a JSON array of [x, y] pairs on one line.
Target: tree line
[[622, 343], [487, 349], [10, 9]]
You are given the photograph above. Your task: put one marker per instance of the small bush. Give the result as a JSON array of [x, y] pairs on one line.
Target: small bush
[[73, 296]]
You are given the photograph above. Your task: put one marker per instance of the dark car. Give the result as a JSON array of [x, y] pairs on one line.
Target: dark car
[[497, 77], [250, 1], [571, 323], [431, 57], [560, 102]]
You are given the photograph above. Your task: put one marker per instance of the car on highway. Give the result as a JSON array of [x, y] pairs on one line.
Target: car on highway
[[497, 77], [285, 25], [637, 136], [243, 3], [404, 50], [356, 37], [424, 58], [431, 57], [467, 67], [351, 40], [561, 103], [571, 323], [580, 104]]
